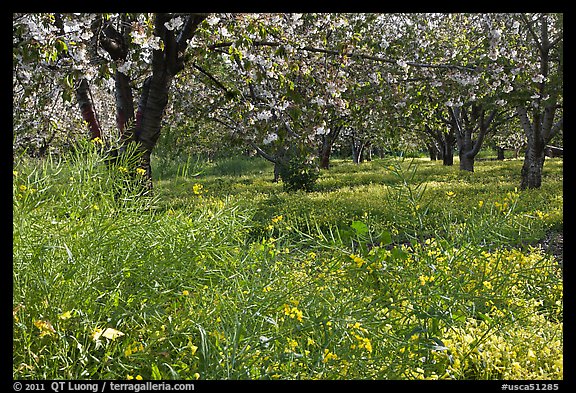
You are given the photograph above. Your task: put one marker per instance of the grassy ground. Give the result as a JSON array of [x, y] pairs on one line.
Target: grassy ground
[[389, 270]]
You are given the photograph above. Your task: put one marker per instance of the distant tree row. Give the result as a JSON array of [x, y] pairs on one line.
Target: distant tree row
[[291, 87]]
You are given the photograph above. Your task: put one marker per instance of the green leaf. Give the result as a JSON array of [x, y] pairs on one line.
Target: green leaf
[[359, 227], [398, 253], [61, 46], [156, 374], [385, 238]]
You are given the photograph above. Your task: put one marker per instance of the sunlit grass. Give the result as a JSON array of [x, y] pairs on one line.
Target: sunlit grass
[[389, 270]]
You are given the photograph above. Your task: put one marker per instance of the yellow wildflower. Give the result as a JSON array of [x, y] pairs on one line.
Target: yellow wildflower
[[292, 344], [293, 312], [65, 315], [424, 279], [329, 356], [197, 188], [358, 260], [45, 327]]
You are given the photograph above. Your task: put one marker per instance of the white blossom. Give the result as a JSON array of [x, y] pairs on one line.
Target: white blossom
[[153, 42], [174, 23], [80, 54], [212, 20], [296, 17], [223, 31], [138, 37], [87, 34], [270, 138], [125, 67], [332, 88], [493, 54], [515, 27], [401, 63], [282, 105], [456, 103], [322, 129], [70, 26], [538, 78], [264, 115], [318, 100]]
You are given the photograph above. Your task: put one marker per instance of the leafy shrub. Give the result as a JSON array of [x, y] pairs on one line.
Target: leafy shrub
[[298, 174]]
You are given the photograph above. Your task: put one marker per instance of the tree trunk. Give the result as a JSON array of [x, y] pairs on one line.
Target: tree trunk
[[325, 155], [87, 108], [433, 151], [441, 145], [124, 106], [541, 129], [149, 131], [538, 132], [464, 125], [532, 167], [328, 141], [368, 152], [467, 161], [500, 152], [355, 151], [448, 154], [166, 63]]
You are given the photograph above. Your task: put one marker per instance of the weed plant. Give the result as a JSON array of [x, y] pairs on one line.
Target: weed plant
[[393, 269]]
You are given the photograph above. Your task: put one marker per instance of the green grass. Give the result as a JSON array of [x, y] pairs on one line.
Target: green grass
[[389, 270]]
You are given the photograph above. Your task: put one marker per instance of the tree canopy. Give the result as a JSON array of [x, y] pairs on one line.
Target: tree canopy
[[288, 85]]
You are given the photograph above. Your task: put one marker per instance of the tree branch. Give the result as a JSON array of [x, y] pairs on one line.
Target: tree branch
[[212, 78], [349, 54], [532, 32]]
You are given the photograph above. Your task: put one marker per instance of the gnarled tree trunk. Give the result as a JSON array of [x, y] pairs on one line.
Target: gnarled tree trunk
[[465, 125], [538, 132], [541, 129], [442, 142], [144, 127]]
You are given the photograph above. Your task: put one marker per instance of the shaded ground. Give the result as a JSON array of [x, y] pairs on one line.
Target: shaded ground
[[553, 243]]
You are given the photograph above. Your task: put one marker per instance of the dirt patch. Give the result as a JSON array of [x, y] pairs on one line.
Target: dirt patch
[[553, 243]]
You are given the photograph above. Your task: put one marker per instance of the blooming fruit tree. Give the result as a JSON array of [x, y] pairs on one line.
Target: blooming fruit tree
[[291, 86]]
